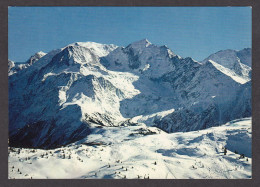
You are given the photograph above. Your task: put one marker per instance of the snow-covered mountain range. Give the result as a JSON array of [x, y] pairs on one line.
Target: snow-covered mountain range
[[65, 95]]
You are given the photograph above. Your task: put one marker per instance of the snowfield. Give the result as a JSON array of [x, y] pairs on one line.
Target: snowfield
[[91, 110], [142, 152]]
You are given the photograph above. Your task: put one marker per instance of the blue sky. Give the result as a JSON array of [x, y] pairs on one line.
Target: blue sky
[[193, 32]]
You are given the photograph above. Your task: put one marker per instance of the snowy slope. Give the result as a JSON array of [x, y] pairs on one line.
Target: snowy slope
[[233, 75], [70, 92], [237, 62], [134, 152]]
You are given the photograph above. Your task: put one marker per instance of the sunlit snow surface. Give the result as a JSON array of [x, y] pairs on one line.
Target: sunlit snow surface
[[134, 152], [228, 72], [113, 99]]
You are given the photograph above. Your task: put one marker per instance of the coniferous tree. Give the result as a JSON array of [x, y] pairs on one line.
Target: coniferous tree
[[225, 151]]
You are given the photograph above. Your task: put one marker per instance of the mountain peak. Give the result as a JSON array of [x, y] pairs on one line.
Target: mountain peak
[[35, 57], [246, 49], [40, 53], [96, 48], [141, 43]]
